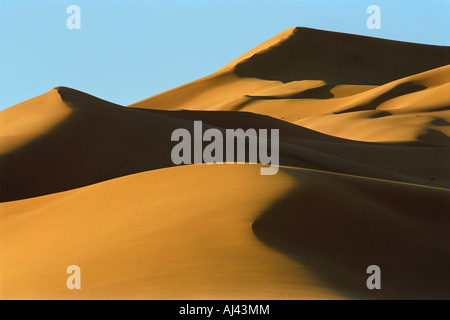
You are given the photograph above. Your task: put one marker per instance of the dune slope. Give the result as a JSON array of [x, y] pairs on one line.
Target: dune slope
[[97, 140], [133, 239], [142, 242]]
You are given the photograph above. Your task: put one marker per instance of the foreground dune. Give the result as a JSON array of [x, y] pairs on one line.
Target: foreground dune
[[133, 239], [142, 242], [364, 180]]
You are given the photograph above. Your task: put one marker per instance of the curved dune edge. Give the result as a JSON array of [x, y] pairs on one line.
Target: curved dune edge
[[167, 234], [415, 104], [176, 233]]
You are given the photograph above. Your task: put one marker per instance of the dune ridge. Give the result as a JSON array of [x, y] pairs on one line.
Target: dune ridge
[[364, 179]]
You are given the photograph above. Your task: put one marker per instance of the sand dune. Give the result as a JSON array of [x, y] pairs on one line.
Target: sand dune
[[365, 179], [302, 56], [143, 242]]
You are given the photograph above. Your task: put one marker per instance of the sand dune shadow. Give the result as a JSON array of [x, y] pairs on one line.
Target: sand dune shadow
[[339, 225]]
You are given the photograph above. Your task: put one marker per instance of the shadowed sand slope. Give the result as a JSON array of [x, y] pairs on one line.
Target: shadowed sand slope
[[97, 140], [309, 54], [364, 180], [298, 59], [142, 242], [402, 228]]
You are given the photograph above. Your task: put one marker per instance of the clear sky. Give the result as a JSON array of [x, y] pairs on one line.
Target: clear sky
[[129, 50]]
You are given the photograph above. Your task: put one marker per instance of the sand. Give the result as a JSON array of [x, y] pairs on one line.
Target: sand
[[364, 179]]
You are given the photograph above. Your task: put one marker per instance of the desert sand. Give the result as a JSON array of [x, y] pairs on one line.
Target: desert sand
[[364, 180]]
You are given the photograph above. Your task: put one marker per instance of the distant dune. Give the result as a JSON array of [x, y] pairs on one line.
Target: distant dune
[[365, 180]]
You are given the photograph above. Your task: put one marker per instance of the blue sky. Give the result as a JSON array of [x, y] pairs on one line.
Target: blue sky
[[129, 50]]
